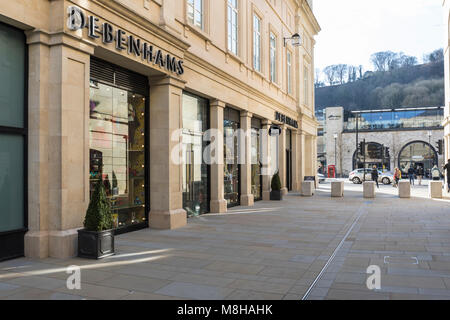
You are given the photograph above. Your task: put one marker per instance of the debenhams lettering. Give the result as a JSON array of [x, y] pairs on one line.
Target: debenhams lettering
[[78, 20]]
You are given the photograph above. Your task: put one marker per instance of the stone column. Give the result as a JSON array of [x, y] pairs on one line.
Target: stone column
[[36, 239], [166, 199], [308, 156], [296, 155], [266, 159], [282, 159], [68, 146], [247, 198], [218, 203]]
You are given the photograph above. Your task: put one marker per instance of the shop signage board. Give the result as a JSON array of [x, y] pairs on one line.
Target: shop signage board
[[286, 120], [78, 19]]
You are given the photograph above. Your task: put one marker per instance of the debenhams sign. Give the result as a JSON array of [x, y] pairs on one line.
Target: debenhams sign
[[78, 20]]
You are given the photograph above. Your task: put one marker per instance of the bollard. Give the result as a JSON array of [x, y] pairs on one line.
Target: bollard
[[308, 188], [404, 189], [369, 189], [435, 190], [337, 189]]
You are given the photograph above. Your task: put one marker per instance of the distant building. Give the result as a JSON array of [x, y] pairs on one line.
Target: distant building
[[446, 122], [394, 138]]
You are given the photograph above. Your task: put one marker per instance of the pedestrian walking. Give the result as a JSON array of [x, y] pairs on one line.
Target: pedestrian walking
[[435, 173], [397, 176], [411, 173], [375, 175], [420, 173], [447, 168]]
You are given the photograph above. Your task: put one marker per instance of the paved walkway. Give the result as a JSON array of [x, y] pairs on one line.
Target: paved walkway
[[274, 250]]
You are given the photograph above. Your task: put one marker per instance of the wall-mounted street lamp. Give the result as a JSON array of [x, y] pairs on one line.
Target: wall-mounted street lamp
[[296, 40]]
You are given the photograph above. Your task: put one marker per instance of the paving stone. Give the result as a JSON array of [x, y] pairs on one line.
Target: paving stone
[[194, 291]]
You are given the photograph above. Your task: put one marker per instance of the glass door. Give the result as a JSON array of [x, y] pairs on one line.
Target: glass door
[[196, 172], [289, 160], [256, 159], [231, 174]]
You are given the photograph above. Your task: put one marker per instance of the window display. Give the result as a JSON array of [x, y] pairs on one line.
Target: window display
[[117, 150], [256, 159]]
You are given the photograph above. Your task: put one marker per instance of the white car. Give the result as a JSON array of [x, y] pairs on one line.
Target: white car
[[357, 176]]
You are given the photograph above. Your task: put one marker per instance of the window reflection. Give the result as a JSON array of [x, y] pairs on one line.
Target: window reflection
[[117, 144]]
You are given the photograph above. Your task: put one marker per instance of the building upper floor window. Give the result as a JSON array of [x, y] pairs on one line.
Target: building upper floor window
[[306, 85], [233, 26], [195, 12], [256, 43], [289, 71], [273, 57]]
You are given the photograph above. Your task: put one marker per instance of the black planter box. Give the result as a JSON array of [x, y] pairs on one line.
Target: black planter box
[[276, 195], [95, 245]]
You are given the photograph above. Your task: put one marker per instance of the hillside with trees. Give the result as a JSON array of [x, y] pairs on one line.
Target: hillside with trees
[[398, 81]]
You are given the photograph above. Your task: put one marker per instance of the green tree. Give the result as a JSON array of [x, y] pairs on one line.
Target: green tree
[[99, 215]]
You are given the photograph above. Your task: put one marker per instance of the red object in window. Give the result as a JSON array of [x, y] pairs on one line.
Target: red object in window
[[331, 171]]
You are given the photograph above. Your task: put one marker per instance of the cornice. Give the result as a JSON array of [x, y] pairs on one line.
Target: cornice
[[312, 19]]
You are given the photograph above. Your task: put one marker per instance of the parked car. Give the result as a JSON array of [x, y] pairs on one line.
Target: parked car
[[321, 177], [357, 176]]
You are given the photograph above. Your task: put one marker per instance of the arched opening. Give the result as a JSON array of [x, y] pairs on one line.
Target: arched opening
[[375, 156], [417, 154]]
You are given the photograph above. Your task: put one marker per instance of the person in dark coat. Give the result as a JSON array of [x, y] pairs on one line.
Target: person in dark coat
[[375, 175], [420, 173], [447, 168], [411, 173]]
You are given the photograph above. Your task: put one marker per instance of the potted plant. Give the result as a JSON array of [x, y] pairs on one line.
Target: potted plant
[[276, 194], [96, 240]]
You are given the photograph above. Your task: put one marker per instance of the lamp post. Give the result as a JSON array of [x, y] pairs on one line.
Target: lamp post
[[335, 153], [430, 133]]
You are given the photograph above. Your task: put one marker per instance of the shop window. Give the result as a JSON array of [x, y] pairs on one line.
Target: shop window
[[231, 175], [117, 150]]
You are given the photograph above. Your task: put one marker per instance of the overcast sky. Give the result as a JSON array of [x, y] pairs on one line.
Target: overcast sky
[[354, 29]]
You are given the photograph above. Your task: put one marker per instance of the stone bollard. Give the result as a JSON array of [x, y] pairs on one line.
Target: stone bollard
[[337, 189], [308, 188], [435, 189], [369, 189], [404, 189]]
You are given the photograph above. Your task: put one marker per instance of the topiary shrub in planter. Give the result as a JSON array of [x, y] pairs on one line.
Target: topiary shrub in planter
[[275, 193], [96, 240]]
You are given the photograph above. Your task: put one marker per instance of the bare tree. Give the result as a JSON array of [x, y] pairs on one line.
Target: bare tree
[[436, 55], [341, 72], [360, 72], [330, 73]]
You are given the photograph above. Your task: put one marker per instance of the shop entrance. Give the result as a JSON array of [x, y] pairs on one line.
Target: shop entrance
[[256, 160], [118, 142], [196, 171], [232, 173], [289, 160]]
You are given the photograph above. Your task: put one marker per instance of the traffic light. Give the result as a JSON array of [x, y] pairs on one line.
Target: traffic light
[[440, 146], [386, 152], [362, 147]]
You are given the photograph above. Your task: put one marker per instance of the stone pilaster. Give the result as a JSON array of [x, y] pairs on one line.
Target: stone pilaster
[[166, 199], [247, 198], [218, 203], [302, 158]]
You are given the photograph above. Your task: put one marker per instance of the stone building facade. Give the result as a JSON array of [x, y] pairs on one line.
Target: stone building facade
[[341, 151], [102, 89]]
